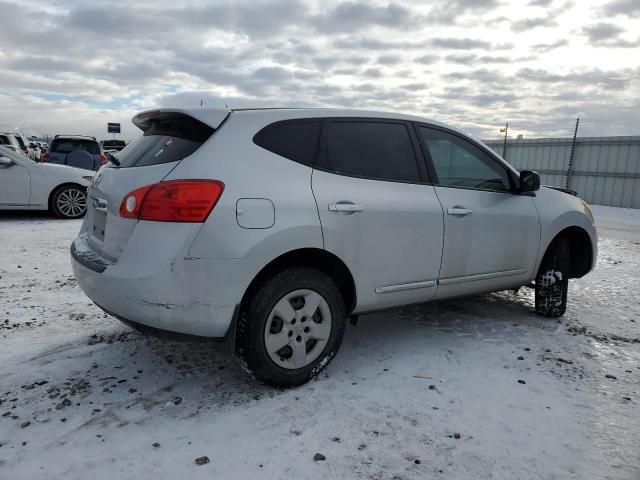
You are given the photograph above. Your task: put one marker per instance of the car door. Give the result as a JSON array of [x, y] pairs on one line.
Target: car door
[[378, 213], [14, 182], [492, 234]]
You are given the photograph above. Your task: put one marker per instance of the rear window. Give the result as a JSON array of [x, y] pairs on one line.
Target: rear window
[[292, 139], [20, 142], [113, 143], [167, 138], [68, 145]]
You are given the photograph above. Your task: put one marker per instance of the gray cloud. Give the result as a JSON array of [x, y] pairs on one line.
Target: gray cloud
[[460, 43], [608, 35], [547, 47], [602, 31], [351, 16], [534, 22], [452, 11], [427, 59], [630, 8], [389, 59], [72, 61], [464, 59]]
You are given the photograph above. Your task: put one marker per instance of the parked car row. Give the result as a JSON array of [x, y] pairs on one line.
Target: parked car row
[[36, 175], [16, 142]]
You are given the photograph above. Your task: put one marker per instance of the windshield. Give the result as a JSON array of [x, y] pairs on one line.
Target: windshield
[[18, 157]]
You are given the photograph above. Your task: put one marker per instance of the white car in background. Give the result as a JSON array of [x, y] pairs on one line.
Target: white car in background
[[27, 185], [10, 141]]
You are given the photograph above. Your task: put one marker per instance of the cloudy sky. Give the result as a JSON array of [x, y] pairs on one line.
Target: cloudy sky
[[72, 66]]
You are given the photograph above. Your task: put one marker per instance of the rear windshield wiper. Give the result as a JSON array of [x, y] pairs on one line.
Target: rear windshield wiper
[[114, 160]]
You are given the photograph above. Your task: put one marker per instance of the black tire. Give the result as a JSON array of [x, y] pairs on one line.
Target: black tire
[[552, 281], [251, 350], [76, 198]]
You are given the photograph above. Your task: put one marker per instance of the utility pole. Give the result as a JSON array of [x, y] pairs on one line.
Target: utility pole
[[504, 145], [573, 149]]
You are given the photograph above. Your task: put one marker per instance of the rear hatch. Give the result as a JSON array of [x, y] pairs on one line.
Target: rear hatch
[[169, 136], [61, 148]]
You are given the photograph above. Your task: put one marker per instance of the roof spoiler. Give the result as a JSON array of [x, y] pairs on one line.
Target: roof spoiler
[[212, 117]]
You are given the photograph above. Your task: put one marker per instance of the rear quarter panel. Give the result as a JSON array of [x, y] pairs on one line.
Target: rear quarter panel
[[249, 171]]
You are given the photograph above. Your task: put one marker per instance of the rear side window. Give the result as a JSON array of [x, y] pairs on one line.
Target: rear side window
[[292, 139], [68, 145], [376, 150], [167, 138], [20, 141]]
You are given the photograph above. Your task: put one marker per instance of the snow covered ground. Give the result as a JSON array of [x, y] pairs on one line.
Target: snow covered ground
[[464, 389]]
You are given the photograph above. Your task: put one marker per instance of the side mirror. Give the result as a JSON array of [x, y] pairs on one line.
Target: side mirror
[[529, 181], [6, 162]]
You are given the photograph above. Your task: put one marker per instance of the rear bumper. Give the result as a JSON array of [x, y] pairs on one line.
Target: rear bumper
[[189, 296]]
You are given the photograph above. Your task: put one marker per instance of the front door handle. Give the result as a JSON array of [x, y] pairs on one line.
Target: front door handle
[[345, 207], [459, 211]]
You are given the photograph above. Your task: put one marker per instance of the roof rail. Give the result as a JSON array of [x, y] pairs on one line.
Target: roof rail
[[75, 135]]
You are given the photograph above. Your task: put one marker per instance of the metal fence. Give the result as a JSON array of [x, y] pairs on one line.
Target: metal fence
[[604, 171]]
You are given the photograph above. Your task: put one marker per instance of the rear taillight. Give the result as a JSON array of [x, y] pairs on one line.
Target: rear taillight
[[173, 201], [45, 157], [103, 158], [132, 203]]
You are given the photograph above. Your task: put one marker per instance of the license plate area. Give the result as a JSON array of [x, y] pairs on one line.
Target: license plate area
[[98, 219], [99, 224]]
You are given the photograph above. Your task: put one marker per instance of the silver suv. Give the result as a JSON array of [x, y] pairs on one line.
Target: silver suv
[[271, 227]]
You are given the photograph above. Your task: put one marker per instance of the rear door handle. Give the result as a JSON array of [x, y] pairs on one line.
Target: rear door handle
[[459, 211], [345, 207]]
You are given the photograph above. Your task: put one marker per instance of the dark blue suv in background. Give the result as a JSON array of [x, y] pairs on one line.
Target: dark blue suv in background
[[66, 150]]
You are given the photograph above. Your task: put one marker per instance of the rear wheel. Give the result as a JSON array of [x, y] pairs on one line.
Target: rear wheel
[[69, 201], [292, 328], [552, 282]]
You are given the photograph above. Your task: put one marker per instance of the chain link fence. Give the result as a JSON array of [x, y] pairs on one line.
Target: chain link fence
[[604, 170]]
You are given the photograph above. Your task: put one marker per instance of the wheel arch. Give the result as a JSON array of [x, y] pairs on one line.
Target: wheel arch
[[580, 248], [313, 257]]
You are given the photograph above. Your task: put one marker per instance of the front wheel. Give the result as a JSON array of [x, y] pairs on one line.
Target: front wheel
[[292, 328], [69, 201], [552, 282]]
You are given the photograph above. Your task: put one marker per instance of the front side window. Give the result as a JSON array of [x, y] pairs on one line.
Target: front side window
[[376, 150], [294, 139], [459, 163]]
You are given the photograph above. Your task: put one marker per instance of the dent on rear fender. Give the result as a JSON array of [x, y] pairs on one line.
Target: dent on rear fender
[[171, 306]]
